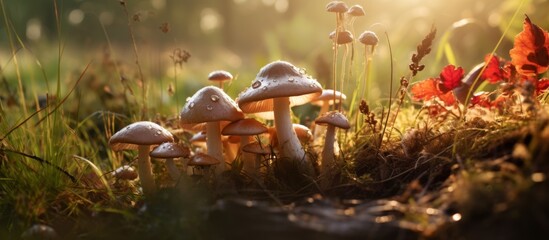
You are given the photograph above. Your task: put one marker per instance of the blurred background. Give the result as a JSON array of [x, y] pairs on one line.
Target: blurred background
[[239, 36]]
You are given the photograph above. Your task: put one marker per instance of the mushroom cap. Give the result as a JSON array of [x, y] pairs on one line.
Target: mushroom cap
[[244, 127], [209, 104], [125, 172], [139, 133], [275, 80], [368, 38], [343, 37], [257, 148], [202, 159], [198, 137], [356, 11], [170, 150], [220, 75], [328, 95], [333, 118], [336, 6]]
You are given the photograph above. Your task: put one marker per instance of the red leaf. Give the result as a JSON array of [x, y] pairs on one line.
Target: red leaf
[[448, 98], [450, 78], [530, 53], [425, 90], [493, 72], [541, 86], [481, 99]]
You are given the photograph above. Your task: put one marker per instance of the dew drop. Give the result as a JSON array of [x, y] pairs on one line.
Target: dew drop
[[264, 88], [256, 84], [158, 132], [291, 79], [150, 127], [128, 127], [191, 105], [303, 71], [209, 107], [214, 98]]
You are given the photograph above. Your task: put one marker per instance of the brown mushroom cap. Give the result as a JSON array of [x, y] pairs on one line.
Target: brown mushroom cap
[[202, 159], [139, 133], [256, 148], [343, 37], [336, 6], [125, 173], [198, 137], [328, 95], [333, 118], [356, 11], [244, 127], [170, 150], [220, 75], [209, 104], [275, 80], [368, 38]]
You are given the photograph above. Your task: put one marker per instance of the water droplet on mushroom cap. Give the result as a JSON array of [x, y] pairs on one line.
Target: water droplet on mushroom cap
[[191, 105], [214, 98], [291, 79], [209, 107], [264, 88], [256, 84]]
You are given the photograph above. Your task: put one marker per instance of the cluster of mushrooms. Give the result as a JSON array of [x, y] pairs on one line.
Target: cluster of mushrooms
[[224, 123]]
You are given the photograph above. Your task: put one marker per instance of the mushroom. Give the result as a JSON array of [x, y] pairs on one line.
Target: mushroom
[[125, 172], [278, 86], [343, 37], [324, 101], [333, 119], [203, 162], [141, 135], [169, 151], [245, 128], [220, 76], [211, 105], [356, 11], [303, 134]]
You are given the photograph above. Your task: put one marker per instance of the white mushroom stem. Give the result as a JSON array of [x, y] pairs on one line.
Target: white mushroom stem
[[318, 129], [145, 170], [230, 150], [248, 159], [172, 169], [288, 143], [328, 159], [214, 144]]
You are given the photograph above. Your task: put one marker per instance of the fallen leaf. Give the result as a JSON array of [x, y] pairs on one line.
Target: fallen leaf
[[450, 78], [530, 53]]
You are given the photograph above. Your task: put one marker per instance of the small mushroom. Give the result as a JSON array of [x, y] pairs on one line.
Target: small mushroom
[[356, 11], [220, 76], [333, 119], [343, 37], [211, 105], [245, 128], [141, 136], [169, 151], [324, 101], [203, 162], [125, 173], [278, 86]]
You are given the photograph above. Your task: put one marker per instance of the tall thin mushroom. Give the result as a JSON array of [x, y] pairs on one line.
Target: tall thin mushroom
[[141, 135]]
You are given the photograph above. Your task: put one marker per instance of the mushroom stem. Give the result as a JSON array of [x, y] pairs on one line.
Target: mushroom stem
[[318, 129], [230, 151], [145, 170], [288, 143], [248, 159], [172, 169], [213, 143], [328, 160]]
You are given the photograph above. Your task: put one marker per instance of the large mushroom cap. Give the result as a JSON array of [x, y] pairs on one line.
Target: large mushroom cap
[[139, 133], [209, 104], [170, 150], [275, 80], [334, 118], [244, 127]]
